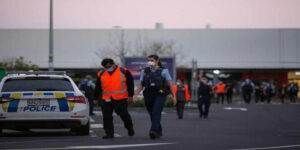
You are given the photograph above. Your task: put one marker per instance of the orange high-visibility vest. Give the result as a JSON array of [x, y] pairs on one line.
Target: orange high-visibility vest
[[187, 93], [113, 86], [220, 88]]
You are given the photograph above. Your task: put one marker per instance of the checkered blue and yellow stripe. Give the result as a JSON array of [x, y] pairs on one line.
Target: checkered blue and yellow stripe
[[12, 105]]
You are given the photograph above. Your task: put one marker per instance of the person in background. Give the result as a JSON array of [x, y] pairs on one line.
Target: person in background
[[229, 92], [157, 84], [88, 86], [247, 89], [220, 90], [268, 92], [282, 92], [204, 97], [293, 91], [262, 91], [181, 91], [115, 85], [257, 93]]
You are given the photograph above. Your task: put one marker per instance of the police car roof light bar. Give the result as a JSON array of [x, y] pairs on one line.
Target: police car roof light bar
[[36, 73]]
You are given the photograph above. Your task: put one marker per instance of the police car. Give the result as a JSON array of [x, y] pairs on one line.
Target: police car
[[42, 100]]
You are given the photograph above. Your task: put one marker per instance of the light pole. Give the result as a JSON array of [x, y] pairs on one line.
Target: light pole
[[194, 81], [50, 63]]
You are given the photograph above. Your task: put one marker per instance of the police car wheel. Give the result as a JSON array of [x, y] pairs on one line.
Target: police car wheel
[[83, 130]]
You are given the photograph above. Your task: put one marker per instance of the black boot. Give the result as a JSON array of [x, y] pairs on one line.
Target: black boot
[[131, 132]]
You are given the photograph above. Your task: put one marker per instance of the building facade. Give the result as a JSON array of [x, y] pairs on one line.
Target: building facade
[[260, 54]]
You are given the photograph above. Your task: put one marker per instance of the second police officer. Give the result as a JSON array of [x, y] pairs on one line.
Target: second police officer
[[204, 93], [157, 84]]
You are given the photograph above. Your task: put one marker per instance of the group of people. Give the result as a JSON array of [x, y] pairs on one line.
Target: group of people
[[265, 91], [115, 89], [221, 90]]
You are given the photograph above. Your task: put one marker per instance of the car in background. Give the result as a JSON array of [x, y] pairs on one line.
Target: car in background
[[42, 100]]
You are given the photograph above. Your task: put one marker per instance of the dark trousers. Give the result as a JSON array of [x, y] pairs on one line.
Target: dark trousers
[[204, 101], [180, 108], [220, 95], [269, 98], [292, 98], [257, 97], [229, 98], [262, 98], [91, 103], [282, 98], [247, 97], [120, 107], [154, 104]]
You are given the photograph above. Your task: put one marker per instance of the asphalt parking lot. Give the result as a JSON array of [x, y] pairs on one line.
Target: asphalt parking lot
[[228, 127]]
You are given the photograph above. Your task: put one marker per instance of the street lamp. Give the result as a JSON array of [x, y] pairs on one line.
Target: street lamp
[[50, 63]]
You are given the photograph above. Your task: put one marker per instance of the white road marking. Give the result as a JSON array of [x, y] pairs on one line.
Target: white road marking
[[34, 141], [236, 108], [99, 113], [94, 126], [100, 146], [163, 113], [117, 135], [50, 130], [274, 147], [93, 134], [13, 131]]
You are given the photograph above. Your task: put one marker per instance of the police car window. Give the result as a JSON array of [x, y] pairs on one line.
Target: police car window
[[37, 84]]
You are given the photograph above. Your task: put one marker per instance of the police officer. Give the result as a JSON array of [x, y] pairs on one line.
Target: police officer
[[282, 92], [220, 90], [247, 89], [87, 85], [204, 93], [268, 92], [293, 92], [157, 84], [116, 86], [181, 91], [229, 92]]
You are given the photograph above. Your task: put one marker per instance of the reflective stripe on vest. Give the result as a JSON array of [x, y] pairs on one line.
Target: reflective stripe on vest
[[115, 94]]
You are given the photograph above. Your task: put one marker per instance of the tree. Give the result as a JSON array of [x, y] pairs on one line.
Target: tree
[[164, 48], [117, 48], [161, 48], [18, 64], [119, 45]]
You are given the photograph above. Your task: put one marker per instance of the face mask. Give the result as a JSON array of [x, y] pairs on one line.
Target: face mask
[[150, 63], [110, 69], [177, 83]]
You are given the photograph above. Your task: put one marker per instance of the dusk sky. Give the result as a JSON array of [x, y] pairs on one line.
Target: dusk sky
[[145, 13]]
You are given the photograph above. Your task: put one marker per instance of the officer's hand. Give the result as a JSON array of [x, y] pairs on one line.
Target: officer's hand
[[135, 98], [130, 100], [95, 102], [174, 100]]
